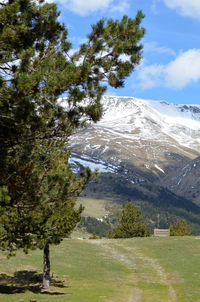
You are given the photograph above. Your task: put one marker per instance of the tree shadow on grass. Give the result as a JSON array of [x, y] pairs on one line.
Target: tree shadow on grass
[[27, 280]]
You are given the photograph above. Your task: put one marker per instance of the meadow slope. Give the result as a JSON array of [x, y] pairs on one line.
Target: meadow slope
[[139, 269]]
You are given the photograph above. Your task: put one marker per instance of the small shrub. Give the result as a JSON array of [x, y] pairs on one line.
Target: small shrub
[[180, 228], [94, 236]]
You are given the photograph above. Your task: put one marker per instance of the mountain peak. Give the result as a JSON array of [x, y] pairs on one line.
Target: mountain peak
[[127, 114], [162, 108]]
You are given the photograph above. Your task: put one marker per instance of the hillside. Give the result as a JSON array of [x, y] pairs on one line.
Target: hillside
[[185, 181], [141, 148], [160, 207]]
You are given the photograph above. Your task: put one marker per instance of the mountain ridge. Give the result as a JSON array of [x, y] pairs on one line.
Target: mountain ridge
[[153, 138]]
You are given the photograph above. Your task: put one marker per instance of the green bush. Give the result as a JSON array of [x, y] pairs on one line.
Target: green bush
[[180, 228]]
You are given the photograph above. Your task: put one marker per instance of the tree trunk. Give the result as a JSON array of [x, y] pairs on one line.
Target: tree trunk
[[46, 268]]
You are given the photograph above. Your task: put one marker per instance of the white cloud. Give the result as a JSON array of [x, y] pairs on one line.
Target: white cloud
[[189, 8], [184, 70], [86, 7], [121, 6], [154, 47], [177, 74], [150, 76]]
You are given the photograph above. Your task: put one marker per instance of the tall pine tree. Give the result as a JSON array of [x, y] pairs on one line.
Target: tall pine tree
[[130, 224], [38, 189]]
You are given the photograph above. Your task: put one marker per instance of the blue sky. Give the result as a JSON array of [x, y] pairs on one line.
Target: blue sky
[[170, 69]]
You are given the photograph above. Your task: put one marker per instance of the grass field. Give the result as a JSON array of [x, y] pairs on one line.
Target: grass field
[[98, 207], [124, 270]]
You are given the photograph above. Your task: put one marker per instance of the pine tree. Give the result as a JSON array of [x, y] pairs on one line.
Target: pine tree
[[38, 189], [130, 223], [41, 209], [180, 228]]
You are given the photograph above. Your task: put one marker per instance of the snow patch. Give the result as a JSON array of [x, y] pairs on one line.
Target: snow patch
[[87, 161], [160, 169]]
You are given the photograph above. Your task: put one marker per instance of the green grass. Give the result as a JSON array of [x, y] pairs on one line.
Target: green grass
[[98, 207], [180, 257], [82, 273], [144, 269]]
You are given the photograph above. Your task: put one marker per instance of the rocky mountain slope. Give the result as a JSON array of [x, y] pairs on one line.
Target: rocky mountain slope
[[185, 181], [145, 148], [152, 136]]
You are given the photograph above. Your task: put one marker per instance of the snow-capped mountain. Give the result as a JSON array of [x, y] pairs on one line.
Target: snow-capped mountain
[[147, 152], [152, 136]]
